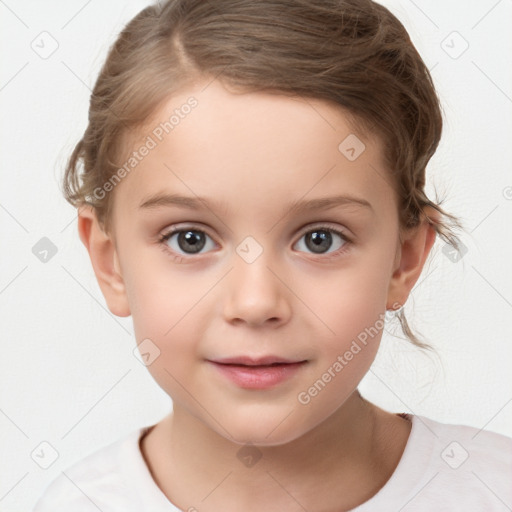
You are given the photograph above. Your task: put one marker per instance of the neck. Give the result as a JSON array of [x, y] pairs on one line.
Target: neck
[[336, 463]]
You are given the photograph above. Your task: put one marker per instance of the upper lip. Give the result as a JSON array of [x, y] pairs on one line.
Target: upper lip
[[255, 361]]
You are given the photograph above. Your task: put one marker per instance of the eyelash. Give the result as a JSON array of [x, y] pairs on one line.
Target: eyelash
[[163, 238]]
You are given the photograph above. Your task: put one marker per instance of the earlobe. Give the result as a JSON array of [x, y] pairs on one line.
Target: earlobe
[[413, 252], [104, 259]]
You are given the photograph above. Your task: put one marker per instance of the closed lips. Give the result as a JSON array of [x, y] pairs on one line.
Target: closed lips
[[263, 361]]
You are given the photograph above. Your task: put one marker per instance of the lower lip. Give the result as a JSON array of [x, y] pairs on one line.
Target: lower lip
[[258, 377]]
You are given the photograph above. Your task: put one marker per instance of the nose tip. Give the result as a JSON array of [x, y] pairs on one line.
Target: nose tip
[[255, 295]]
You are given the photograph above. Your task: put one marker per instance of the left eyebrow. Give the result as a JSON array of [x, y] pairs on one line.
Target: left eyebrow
[[326, 203], [199, 203]]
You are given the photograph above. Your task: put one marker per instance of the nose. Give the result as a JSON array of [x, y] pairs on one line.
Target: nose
[[257, 294]]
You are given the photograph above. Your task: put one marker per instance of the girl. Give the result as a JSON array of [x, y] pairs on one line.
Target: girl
[[252, 193]]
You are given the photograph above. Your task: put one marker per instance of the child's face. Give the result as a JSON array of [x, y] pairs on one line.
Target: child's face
[[257, 287]]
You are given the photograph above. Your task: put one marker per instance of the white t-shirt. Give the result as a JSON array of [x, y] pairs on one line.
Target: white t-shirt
[[443, 468]]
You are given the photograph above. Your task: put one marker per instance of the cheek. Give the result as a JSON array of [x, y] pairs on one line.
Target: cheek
[[163, 309], [352, 297], [172, 324], [358, 325], [169, 308], [158, 293], [351, 304], [356, 317]]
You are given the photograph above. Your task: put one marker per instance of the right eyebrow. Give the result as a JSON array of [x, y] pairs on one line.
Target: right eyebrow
[[167, 200]]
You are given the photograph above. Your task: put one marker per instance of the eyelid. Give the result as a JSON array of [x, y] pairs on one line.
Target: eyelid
[[302, 231], [184, 227], [342, 231]]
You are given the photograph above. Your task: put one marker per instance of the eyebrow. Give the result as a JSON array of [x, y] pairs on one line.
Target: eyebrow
[[199, 203]]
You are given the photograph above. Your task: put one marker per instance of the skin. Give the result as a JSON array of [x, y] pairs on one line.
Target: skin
[[258, 152]]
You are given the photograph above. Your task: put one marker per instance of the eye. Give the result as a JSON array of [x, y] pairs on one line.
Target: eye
[[320, 239], [189, 240]]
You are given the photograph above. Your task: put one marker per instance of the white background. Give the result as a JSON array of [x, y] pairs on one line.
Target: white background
[[68, 374]]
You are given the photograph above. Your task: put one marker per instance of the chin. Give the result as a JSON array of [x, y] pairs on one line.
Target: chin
[[266, 432]]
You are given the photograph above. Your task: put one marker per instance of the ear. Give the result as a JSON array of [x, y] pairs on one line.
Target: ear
[[104, 260], [412, 253]]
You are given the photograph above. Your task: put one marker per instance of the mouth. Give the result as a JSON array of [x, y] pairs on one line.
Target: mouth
[[264, 361], [262, 373]]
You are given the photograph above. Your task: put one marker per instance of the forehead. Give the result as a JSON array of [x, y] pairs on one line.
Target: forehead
[[251, 147]]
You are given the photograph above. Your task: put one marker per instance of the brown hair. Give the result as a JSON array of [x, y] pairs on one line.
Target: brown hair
[[354, 54]]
